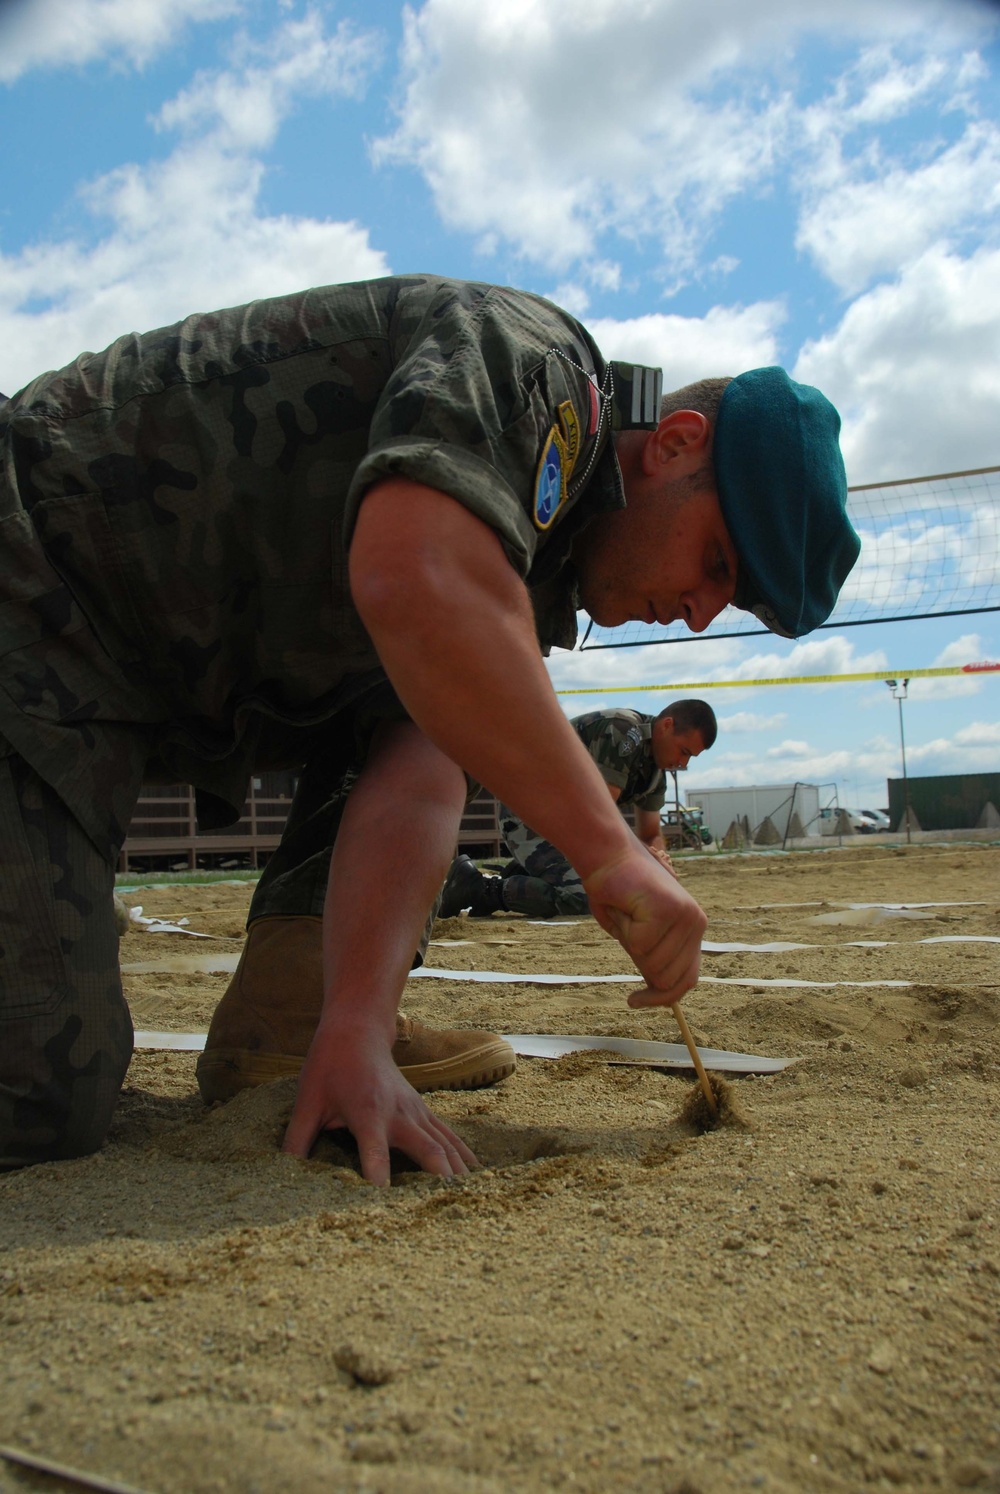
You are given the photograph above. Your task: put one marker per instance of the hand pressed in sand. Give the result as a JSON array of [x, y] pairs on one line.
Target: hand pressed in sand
[[372, 921], [350, 1080]]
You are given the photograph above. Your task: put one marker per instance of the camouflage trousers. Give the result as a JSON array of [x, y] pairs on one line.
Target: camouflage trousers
[[546, 884], [65, 1029]]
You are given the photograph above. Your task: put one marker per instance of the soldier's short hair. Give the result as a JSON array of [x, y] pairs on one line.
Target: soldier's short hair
[[693, 715], [703, 396]]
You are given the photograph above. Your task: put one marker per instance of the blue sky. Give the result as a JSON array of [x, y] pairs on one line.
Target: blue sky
[[710, 186]]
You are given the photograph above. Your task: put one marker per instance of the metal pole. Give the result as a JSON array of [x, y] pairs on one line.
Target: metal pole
[[899, 689], [902, 747]]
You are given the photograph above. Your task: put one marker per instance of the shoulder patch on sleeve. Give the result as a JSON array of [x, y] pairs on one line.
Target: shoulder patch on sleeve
[[630, 741], [555, 466]]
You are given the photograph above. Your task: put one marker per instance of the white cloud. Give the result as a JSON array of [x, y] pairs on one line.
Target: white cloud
[[186, 233], [616, 670], [789, 748], [961, 651], [822, 740], [707, 661], [747, 721], [539, 122], [879, 87], [726, 340], [914, 368], [572, 297], [862, 228], [859, 768], [243, 110], [603, 674], [799, 761], [70, 33], [829, 653], [549, 126], [890, 87], [916, 566], [973, 749], [979, 734]]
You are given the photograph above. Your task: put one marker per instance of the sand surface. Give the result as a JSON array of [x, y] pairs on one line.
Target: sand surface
[[805, 1299]]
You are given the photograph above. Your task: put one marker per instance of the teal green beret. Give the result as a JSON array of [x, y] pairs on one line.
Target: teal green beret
[[783, 493]]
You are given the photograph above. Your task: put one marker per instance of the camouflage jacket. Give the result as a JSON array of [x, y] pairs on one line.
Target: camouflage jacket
[[620, 743], [176, 511]]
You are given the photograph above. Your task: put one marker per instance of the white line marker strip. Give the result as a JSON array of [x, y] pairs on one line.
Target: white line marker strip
[[669, 1055], [550, 1045], [506, 978]]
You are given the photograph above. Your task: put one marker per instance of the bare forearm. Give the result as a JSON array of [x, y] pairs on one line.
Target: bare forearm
[[377, 900], [375, 910], [456, 636]]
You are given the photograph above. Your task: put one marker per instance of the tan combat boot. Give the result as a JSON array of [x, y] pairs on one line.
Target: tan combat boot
[[265, 1022]]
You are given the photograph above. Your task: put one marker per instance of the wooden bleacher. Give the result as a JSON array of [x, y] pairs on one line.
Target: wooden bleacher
[[163, 835]]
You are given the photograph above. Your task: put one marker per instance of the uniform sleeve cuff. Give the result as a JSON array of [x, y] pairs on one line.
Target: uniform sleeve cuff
[[463, 476]]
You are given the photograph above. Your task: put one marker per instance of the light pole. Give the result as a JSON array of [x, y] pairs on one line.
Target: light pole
[[898, 691]]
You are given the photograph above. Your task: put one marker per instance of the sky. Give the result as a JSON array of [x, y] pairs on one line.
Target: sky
[[710, 186]]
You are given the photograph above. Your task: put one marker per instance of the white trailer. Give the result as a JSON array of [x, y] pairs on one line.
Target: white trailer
[[757, 803]]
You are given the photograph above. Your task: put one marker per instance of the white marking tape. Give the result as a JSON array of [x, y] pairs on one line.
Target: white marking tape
[[757, 907], [962, 939], [868, 918], [638, 1050], [503, 977], [710, 946], [749, 980], [163, 926], [180, 1042], [546, 1045], [909, 905]]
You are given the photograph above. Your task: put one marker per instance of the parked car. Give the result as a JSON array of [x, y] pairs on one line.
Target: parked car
[[879, 817], [859, 822]]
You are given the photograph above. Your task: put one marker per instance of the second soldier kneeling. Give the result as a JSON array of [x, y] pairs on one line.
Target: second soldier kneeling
[[633, 752]]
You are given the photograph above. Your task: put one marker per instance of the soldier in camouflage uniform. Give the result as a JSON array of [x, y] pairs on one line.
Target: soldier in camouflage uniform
[[633, 752], [339, 528]]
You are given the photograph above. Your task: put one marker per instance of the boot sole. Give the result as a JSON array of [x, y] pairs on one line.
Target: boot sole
[[223, 1072]]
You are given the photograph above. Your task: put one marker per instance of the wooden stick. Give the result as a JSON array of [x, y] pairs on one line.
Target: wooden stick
[[68, 1475], [706, 1088]]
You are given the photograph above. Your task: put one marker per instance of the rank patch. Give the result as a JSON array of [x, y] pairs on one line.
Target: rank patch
[[595, 409], [571, 430], [555, 466]]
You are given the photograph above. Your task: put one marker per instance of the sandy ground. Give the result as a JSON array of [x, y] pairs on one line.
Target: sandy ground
[[806, 1300]]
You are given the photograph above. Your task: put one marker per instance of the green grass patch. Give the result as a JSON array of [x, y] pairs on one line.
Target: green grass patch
[[132, 881]]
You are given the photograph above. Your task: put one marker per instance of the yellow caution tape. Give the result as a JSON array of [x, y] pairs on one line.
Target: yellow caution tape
[[798, 679]]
